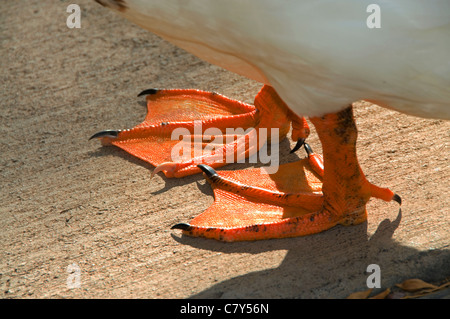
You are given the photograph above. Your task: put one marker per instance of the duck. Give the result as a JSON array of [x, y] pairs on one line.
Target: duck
[[313, 59]]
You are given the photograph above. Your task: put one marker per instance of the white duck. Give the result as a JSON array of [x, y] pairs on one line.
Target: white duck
[[319, 57]]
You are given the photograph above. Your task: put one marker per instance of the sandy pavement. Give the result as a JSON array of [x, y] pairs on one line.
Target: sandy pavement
[[66, 200]]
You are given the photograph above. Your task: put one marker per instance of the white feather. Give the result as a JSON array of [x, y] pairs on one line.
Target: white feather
[[320, 56]]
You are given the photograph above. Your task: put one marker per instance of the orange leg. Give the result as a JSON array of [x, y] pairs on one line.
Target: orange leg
[[243, 212], [345, 188]]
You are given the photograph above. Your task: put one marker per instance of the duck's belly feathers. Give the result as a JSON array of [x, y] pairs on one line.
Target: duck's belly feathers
[[320, 56]]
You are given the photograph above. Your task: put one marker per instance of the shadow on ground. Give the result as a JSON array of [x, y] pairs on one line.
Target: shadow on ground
[[335, 260]]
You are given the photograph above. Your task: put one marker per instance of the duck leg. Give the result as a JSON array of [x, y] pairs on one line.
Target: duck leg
[[185, 128], [301, 198]]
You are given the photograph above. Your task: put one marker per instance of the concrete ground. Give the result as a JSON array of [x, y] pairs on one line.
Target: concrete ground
[[66, 200]]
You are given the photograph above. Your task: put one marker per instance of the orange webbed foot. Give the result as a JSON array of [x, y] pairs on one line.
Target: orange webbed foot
[[251, 204], [301, 198], [185, 128]]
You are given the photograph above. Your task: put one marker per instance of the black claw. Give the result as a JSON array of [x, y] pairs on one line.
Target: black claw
[[182, 226], [106, 133], [148, 92], [208, 170], [397, 198], [308, 149], [297, 146]]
